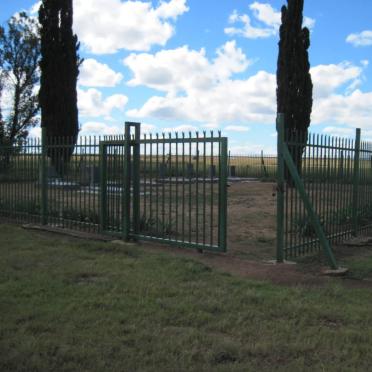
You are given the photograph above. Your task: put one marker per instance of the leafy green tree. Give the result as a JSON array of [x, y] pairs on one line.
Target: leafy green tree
[[59, 72], [19, 77], [294, 85]]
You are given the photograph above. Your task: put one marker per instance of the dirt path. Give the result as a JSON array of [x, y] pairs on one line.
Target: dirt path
[[287, 274]]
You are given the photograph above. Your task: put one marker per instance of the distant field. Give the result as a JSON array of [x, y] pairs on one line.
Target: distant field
[[75, 305]]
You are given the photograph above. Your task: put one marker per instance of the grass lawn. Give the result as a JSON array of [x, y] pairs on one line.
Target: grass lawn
[[74, 305]]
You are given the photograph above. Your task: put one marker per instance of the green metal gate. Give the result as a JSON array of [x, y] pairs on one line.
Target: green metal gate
[[170, 189]]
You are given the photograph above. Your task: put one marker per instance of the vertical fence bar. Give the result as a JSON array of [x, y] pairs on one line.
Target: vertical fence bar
[[356, 182], [136, 177], [44, 181], [197, 190], [223, 194], [212, 191], [126, 185], [103, 187], [280, 191], [264, 173]]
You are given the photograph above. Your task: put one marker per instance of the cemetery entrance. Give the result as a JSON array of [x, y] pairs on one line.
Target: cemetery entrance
[[170, 189]]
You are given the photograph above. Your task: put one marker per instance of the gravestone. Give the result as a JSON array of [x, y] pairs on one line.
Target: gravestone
[[51, 173], [162, 170], [212, 171], [89, 175], [190, 170]]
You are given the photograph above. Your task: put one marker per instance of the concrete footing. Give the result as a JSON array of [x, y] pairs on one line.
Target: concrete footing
[[341, 271]]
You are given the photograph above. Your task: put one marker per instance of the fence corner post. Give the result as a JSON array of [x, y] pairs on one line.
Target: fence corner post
[[127, 184], [356, 182], [136, 178], [44, 179], [103, 187], [223, 174], [280, 191]]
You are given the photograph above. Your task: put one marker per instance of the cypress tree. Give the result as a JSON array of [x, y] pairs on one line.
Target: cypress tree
[[2, 130], [294, 85], [59, 72]]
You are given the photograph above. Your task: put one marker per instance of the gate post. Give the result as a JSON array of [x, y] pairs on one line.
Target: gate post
[[280, 191], [136, 177], [356, 182], [44, 180], [103, 186], [222, 222], [126, 184]]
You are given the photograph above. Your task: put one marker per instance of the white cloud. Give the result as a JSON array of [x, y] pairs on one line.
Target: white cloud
[[103, 129], [91, 103], [184, 70], [96, 74], [147, 128], [263, 13], [337, 97], [93, 128], [181, 128], [211, 126], [339, 132], [348, 133], [107, 26], [230, 60], [171, 9], [363, 38], [328, 78], [266, 14], [240, 101], [364, 62], [236, 128], [248, 31], [35, 9], [201, 90], [309, 23], [353, 110], [197, 91]]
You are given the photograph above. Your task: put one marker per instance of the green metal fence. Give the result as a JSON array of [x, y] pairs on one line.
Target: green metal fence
[[165, 188], [336, 174], [174, 189], [31, 191]]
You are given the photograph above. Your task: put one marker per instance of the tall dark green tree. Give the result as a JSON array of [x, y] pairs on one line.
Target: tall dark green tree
[[294, 85], [19, 76], [59, 72], [1, 92]]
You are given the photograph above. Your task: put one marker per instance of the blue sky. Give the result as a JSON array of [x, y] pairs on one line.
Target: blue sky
[[210, 65]]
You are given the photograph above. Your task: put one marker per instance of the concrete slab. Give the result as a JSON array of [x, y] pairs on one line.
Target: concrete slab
[[341, 271]]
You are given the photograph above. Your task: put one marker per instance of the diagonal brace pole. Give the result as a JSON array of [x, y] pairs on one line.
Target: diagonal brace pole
[[309, 207]]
